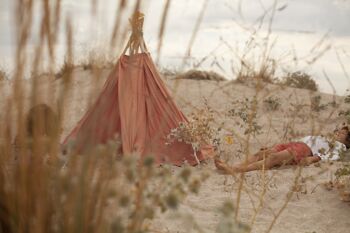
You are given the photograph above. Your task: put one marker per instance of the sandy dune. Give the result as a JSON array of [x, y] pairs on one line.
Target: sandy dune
[[312, 208]]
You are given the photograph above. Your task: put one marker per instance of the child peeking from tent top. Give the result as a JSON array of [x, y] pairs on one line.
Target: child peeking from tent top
[[305, 151]]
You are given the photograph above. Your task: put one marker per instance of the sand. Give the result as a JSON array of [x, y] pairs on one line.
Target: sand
[[312, 208]]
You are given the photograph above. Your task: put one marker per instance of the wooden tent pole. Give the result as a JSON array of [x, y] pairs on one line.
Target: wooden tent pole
[[136, 41]]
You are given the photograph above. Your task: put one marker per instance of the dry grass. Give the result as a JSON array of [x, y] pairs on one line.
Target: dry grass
[[265, 74], [66, 70], [3, 75], [168, 71], [97, 60], [201, 75]]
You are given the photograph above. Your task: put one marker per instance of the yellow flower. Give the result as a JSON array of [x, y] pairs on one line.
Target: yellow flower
[[229, 139]]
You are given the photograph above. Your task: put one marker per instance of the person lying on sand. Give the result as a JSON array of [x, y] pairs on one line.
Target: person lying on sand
[[305, 151]]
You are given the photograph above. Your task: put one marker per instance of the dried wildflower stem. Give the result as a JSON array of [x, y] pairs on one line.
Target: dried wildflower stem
[[162, 29], [195, 156], [67, 79], [116, 27], [195, 31], [342, 65], [191, 42], [288, 198], [267, 39], [261, 197], [251, 117], [137, 221]]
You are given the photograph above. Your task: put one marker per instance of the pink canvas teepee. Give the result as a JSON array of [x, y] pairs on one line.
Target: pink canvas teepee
[[136, 105]]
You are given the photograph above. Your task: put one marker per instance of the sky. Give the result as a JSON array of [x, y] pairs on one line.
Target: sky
[[301, 31]]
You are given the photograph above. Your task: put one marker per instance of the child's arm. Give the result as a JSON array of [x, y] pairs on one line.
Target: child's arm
[[309, 160]]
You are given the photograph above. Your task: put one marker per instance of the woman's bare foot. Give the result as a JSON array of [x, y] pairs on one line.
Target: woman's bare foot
[[224, 168]]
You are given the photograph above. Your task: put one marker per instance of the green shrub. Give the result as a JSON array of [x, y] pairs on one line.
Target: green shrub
[[345, 112], [245, 114], [300, 80], [342, 182], [347, 99], [272, 103], [343, 171]]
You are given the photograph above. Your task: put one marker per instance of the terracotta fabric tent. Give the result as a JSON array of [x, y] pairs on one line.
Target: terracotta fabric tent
[[136, 106]]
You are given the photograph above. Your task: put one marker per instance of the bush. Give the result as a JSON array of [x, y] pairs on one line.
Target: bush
[[345, 112], [198, 131], [347, 99], [201, 75], [316, 104], [245, 114], [300, 80], [343, 182], [272, 103]]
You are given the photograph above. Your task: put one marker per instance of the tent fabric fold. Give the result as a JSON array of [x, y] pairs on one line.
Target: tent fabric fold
[[136, 107]]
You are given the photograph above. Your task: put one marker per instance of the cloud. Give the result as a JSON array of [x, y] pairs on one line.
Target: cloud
[[299, 24]]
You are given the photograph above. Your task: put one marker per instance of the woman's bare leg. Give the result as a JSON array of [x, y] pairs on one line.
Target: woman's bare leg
[[271, 160], [224, 167], [260, 155], [274, 159]]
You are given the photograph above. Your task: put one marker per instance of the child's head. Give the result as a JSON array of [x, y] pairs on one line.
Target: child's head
[[343, 135]]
